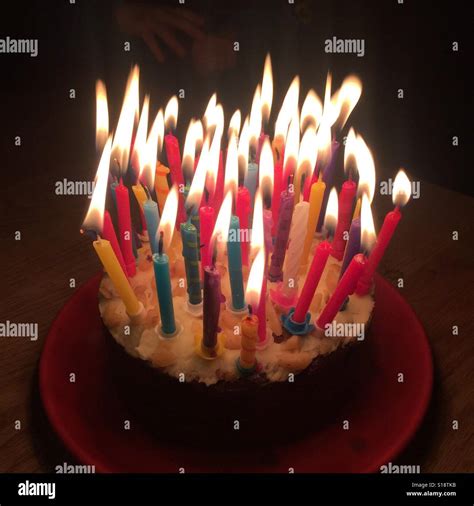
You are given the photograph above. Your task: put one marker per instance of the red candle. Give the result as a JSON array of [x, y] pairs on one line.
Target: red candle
[[174, 162], [344, 288], [242, 210], [388, 228], [125, 227], [312, 280], [206, 224], [346, 199], [277, 188], [108, 233]]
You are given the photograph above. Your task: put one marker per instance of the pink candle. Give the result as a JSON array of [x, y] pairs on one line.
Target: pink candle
[[344, 288], [388, 228], [242, 210], [108, 233], [125, 227], [312, 280], [206, 224], [346, 199], [267, 231], [174, 162], [277, 188]]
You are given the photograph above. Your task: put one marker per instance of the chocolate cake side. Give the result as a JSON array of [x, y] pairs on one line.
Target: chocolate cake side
[[265, 412]]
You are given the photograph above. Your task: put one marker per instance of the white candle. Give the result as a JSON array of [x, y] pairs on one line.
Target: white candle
[[295, 248]]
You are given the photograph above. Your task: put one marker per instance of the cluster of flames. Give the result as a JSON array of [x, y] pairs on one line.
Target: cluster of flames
[[306, 135]]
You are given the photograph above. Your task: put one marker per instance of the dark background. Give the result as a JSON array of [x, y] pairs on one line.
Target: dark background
[[406, 46]]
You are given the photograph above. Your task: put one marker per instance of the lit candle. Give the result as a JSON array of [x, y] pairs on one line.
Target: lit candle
[[315, 202], [366, 169], [287, 204], [291, 152], [266, 187], [161, 184], [161, 264], [94, 220], [306, 161], [102, 116], [400, 194], [346, 198], [242, 211], [125, 227], [318, 263], [173, 154], [327, 157], [254, 129]]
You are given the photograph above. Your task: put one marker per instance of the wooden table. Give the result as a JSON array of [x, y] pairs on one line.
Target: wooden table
[[438, 279]]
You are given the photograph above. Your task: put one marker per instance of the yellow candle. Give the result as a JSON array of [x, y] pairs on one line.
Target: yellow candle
[[249, 328], [161, 184], [140, 194], [357, 209], [315, 202], [111, 265]]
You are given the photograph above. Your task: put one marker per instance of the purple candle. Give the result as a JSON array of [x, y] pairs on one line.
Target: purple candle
[[353, 245], [211, 306], [328, 178], [283, 231]]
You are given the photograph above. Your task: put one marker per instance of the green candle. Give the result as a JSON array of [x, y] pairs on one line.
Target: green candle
[[161, 267], [191, 261]]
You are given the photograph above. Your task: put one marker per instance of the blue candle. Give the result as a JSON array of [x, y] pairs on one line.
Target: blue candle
[[353, 245], [150, 210], [250, 182], [235, 265], [191, 261], [161, 266]]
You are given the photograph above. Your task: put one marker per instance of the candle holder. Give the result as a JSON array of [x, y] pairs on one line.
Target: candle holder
[[297, 328], [236, 312], [245, 371], [165, 336], [282, 298], [194, 309], [209, 353]]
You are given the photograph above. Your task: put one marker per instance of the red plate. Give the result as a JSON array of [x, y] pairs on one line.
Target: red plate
[[89, 418]]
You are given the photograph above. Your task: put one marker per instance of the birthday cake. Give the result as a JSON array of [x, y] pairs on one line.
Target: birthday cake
[[238, 285], [299, 382]]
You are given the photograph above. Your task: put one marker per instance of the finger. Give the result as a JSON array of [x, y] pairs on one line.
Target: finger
[[171, 41], [182, 24], [188, 14], [150, 41]]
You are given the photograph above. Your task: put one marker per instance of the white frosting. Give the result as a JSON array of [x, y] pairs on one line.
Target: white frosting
[[177, 356]]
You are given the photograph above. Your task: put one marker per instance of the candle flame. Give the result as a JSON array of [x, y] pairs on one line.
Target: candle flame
[[243, 150], [234, 124], [308, 154], [368, 236], [401, 190], [323, 141], [211, 105], [189, 152], [198, 135], [140, 139], [350, 153], [213, 159], [366, 168], [148, 169], [347, 97], [255, 121], [292, 145], [221, 228], [311, 112], [267, 90], [266, 172], [257, 242], [94, 219], [288, 108], [168, 218], [231, 168], [194, 197], [332, 209], [102, 116], [253, 290], [123, 133], [171, 113]]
